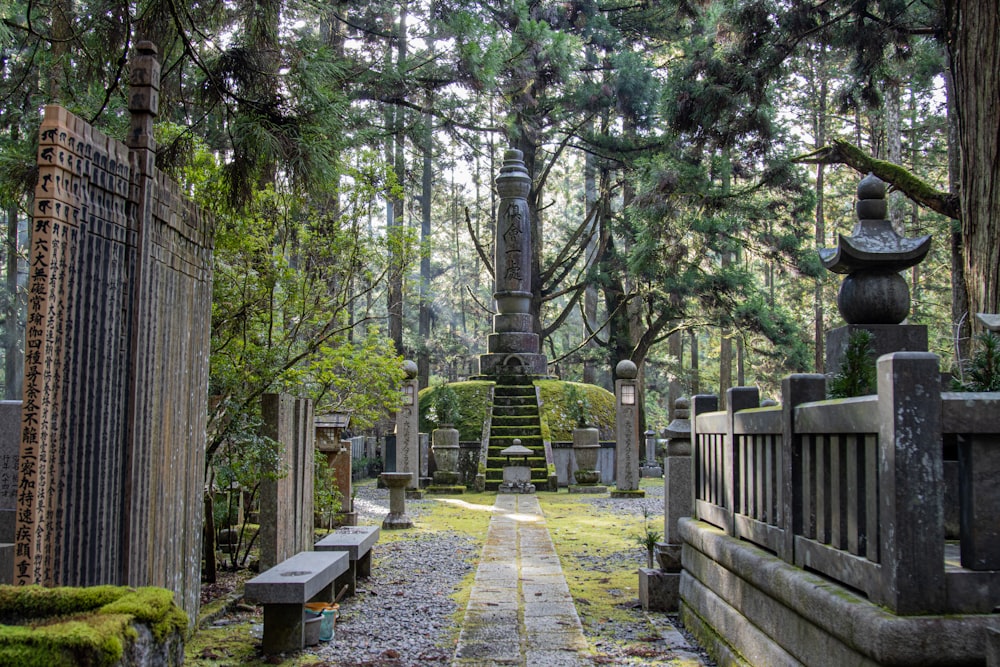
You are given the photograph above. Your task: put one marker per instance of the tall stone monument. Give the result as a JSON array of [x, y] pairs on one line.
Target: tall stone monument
[[627, 435], [407, 428], [513, 347], [111, 460], [874, 296]]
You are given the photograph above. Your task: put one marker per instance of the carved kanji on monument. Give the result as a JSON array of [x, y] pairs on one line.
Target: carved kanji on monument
[[513, 347], [116, 369]]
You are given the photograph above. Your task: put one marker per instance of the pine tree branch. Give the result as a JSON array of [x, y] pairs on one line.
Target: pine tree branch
[[841, 152]]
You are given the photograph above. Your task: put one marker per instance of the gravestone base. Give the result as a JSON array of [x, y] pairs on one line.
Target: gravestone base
[[886, 338], [651, 471], [587, 488], [659, 590], [628, 493]]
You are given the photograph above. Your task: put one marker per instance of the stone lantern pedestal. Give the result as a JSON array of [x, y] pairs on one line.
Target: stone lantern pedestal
[[446, 448], [586, 447], [397, 483]]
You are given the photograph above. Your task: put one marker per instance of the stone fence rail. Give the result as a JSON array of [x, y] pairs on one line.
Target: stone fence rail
[[858, 489]]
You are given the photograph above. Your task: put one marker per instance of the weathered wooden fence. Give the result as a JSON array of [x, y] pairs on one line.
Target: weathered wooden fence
[[116, 361], [855, 488]]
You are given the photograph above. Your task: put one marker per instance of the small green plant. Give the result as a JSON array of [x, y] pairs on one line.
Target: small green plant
[[982, 372], [857, 375], [446, 405], [649, 538], [577, 405]]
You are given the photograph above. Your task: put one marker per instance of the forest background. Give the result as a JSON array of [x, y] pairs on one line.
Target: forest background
[[688, 159]]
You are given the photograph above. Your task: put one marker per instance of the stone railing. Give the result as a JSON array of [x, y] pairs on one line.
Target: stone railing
[[855, 489]]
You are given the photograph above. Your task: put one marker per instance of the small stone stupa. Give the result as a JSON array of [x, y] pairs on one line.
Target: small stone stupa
[[874, 296], [513, 347]]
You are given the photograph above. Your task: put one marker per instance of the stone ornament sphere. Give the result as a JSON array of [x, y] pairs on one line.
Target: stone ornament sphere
[[869, 297], [410, 368], [626, 370]]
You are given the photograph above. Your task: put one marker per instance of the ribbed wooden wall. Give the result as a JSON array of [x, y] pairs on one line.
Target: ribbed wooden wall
[[116, 364]]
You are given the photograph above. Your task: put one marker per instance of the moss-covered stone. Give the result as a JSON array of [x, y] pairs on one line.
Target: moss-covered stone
[[81, 626], [473, 407], [557, 414]]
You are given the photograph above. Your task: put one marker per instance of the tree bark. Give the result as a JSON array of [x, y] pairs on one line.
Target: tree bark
[[974, 49]]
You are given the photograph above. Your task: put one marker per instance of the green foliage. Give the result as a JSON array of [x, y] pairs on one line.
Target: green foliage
[[857, 374], [327, 498], [577, 404], [445, 409], [982, 372]]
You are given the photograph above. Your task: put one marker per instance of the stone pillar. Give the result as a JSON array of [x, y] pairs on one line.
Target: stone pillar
[[911, 475], [513, 349], [286, 504], [407, 428], [659, 590], [626, 431]]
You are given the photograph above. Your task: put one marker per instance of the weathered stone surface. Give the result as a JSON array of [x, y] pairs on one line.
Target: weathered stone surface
[[737, 598], [298, 579], [659, 590], [357, 542]]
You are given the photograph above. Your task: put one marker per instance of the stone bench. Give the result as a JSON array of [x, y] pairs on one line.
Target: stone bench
[[357, 542], [307, 576]]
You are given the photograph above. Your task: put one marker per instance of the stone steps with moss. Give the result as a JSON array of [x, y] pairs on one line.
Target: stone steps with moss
[[515, 416]]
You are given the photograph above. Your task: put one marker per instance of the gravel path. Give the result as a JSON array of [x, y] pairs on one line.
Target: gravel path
[[404, 613]]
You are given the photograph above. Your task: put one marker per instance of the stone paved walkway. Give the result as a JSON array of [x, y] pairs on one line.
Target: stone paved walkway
[[520, 611]]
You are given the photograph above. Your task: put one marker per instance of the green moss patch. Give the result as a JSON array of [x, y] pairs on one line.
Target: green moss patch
[[72, 626], [473, 407], [557, 415]]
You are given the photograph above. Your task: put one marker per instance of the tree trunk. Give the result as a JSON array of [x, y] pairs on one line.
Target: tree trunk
[[961, 327], [974, 47], [396, 157]]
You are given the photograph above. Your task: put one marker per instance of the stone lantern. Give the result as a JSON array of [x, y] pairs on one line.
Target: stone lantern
[[873, 295], [517, 473]]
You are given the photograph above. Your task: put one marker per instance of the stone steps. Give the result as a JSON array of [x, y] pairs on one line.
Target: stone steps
[[515, 416]]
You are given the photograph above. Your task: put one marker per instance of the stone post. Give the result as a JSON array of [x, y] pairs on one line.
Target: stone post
[[795, 390], [626, 431], [10, 441], [911, 480], [407, 428], [737, 398], [659, 590]]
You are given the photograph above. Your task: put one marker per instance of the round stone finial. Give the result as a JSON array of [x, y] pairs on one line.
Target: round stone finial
[[626, 370], [871, 204], [871, 187], [410, 368]]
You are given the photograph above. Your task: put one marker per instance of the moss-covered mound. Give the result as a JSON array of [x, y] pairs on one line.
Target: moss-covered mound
[[51, 627], [558, 419], [473, 407]]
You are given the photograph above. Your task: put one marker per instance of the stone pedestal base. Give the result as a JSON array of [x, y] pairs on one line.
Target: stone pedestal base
[[651, 471], [445, 489], [414, 494], [587, 488], [659, 590], [628, 493], [886, 338], [514, 363]]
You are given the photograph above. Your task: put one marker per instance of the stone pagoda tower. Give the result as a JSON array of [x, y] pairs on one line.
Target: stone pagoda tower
[[513, 347]]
